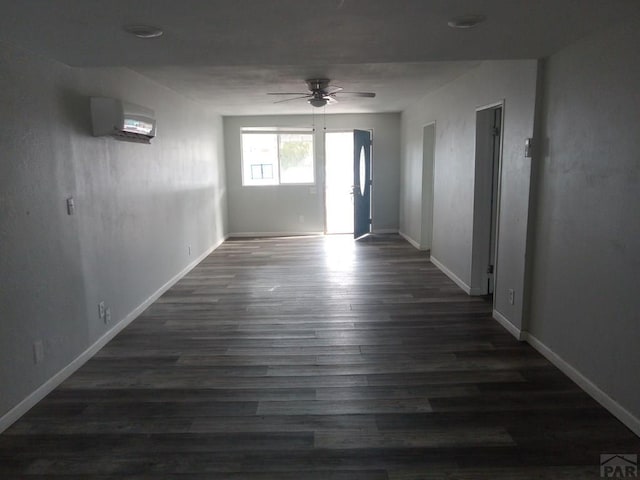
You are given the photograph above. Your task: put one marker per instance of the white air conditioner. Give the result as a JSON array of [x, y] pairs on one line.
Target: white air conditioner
[[121, 120]]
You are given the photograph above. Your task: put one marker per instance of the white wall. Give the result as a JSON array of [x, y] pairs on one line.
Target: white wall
[[586, 254], [415, 224], [428, 161], [138, 207], [453, 108], [277, 209]]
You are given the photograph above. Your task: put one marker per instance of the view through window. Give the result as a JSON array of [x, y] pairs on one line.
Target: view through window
[[274, 157]]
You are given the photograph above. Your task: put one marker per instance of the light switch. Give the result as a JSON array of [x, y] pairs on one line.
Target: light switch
[[528, 147], [71, 206]]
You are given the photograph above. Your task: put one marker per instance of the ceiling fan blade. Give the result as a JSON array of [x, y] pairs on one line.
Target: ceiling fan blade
[[358, 94], [321, 93], [294, 98]]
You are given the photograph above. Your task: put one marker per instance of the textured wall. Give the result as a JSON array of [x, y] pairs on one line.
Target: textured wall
[[453, 108], [138, 208], [586, 254], [277, 209]]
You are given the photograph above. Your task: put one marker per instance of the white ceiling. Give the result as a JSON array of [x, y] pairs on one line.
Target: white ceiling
[[228, 54], [241, 90]]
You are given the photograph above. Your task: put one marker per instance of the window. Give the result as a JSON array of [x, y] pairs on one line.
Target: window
[[272, 156]]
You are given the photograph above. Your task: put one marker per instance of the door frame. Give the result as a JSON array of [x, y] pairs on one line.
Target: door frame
[[324, 159], [480, 244], [324, 179], [357, 164], [427, 244]]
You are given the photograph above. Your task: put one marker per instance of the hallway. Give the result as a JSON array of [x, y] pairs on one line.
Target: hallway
[[315, 358]]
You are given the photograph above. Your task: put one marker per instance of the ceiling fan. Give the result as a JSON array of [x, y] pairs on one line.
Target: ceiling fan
[[322, 93]]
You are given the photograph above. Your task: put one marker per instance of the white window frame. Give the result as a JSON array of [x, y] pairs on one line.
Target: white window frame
[[277, 181]]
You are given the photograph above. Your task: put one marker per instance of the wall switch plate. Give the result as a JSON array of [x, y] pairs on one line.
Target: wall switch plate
[[38, 351], [107, 315], [512, 296], [301, 218], [189, 249], [528, 147], [101, 310], [71, 206]]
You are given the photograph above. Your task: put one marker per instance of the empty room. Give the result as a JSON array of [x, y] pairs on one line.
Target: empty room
[[330, 239]]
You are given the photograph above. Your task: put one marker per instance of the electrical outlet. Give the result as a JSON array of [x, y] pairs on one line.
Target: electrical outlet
[[301, 218], [512, 296], [38, 351], [107, 315], [101, 310]]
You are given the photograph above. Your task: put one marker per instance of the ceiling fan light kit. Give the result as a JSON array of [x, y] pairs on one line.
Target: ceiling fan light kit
[[466, 21], [144, 31], [317, 102], [321, 93]]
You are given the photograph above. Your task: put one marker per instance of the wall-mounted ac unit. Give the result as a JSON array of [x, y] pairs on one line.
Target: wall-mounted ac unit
[[121, 120]]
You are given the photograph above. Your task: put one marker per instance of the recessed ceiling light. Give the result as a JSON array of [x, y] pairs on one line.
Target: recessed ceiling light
[[144, 31], [466, 21]]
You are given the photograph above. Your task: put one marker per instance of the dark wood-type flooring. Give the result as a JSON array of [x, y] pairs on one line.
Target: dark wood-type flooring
[[315, 358]]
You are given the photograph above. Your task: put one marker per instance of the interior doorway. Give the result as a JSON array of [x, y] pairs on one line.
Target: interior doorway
[[338, 193], [489, 126], [428, 161]]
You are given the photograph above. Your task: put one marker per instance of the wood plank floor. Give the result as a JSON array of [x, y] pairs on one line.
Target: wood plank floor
[[315, 358]]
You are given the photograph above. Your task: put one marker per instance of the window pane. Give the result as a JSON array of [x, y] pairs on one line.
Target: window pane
[[277, 157], [259, 159], [262, 171], [296, 158]]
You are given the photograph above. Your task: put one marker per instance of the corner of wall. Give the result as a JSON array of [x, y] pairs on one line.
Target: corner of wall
[[621, 413], [32, 399], [413, 242], [508, 325], [539, 145], [457, 280]]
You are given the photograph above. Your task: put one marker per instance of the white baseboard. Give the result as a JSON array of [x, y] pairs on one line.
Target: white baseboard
[[587, 385], [412, 241], [272, 234], [458, 281], [299, 234], [43, 390], [510, 327], [583, 382]]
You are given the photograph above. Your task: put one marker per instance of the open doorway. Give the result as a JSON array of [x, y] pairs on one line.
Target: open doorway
[[428, 161], [339, 182], [486, 198]]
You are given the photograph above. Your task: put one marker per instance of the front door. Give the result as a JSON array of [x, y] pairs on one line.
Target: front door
[[361, 183]]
